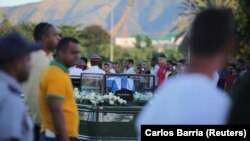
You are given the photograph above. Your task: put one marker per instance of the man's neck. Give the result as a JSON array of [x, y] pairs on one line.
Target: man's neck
[[61, 62], [46, 50], [202, 67]]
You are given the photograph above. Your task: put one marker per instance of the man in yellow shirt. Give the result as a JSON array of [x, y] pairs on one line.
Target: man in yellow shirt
[[48, 36], [57, 104]]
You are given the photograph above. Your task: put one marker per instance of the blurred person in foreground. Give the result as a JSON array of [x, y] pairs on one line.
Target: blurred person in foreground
[[48, 36], [15, 66], [192, 97], [60, 119], [240, 113]]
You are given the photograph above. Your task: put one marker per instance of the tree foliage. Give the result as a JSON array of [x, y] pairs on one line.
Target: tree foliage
[[95, 40]]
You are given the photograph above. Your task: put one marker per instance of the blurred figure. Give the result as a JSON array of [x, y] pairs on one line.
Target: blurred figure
[[129, 67], [180, 66], [139, 67], [106, 68], [95, 62], [110, 65], [230, 78], [117, 68], [192, 98], [154, 69], [145, 68], [60, 119], [48, 36], [163, 69], [76, 71], [15, 66], [240, 113]]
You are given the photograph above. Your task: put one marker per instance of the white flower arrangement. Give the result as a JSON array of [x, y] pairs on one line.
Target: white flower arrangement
[[98, 98], [142, 96]]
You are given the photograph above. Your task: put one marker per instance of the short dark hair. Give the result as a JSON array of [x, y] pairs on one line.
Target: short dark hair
[[211, 30], [162, 56], [85, 59], [40, 30], [131, 61], [105, 64], [64, 43]]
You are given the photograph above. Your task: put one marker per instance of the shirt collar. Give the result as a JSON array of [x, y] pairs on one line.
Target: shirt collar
[[95, 67], [61, 66], [12, 83]]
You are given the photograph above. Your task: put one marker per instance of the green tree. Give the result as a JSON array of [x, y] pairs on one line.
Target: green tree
[[148, 41], [138, 42], [242, 15], [26, 29], [95, 36], [5, 26], [190, 9]]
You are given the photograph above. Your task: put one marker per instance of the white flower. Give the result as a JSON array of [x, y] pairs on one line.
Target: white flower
[[110, 97], [111, 102], [124, 102], [115, 98], [111, 94], [101, 101], [94, 102], [105, 97], [120, 101], [99, 98]]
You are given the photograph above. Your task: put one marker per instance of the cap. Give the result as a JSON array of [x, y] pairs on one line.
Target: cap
[[13, 45]]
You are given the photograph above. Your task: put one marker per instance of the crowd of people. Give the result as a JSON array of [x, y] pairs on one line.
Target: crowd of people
[[186, 89]]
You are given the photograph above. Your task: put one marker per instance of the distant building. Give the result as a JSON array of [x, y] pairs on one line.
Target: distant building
[[125, 42], [168, 41]]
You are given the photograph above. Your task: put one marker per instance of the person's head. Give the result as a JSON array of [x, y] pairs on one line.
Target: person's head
[[116, 67], [110, 64], [129, 63], [144, 65], [81, 64], [95, 60], [153, 62], [15, 56], [68, 51], [240, 64], [106, 68], [162, 59], [211, 37], [47, 34], [139, 65]]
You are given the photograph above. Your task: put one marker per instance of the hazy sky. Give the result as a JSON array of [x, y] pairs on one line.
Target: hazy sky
[[15, 2]]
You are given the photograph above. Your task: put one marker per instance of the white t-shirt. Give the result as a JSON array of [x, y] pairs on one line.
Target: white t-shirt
[[154, 71], [216, 78], [186, 99], [112, 71], [75, 72], [94, 69], [130, 71]]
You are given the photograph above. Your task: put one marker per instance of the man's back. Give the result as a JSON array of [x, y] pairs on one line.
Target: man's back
[[187, 99]]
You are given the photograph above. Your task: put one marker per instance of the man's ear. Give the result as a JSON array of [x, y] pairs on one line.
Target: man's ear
[[44, 37]]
